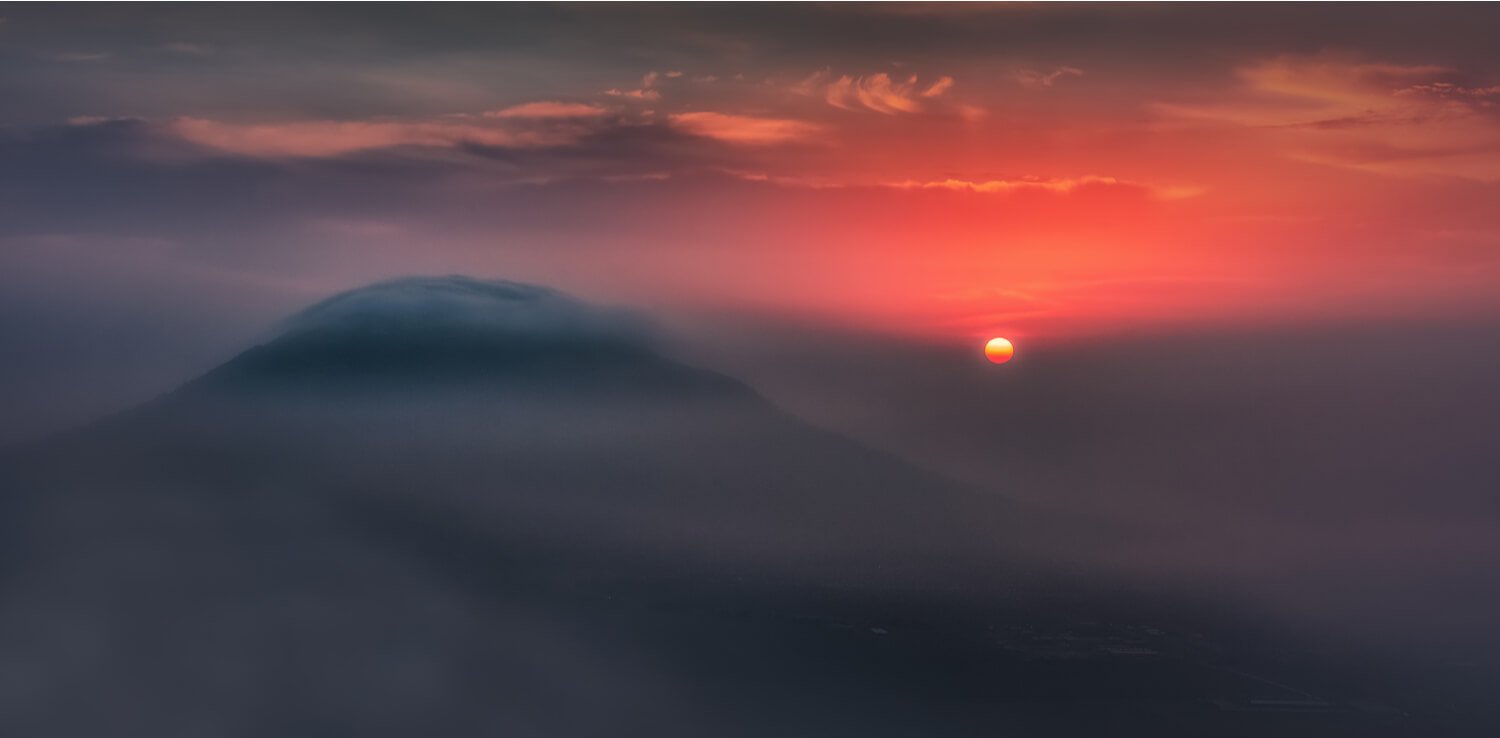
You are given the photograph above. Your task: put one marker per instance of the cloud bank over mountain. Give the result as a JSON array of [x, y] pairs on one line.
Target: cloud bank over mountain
[[463, 308]]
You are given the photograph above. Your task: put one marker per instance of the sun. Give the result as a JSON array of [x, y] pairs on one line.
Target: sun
[[999, 350]]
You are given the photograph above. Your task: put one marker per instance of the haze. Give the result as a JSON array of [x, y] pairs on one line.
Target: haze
[[1248, 255]]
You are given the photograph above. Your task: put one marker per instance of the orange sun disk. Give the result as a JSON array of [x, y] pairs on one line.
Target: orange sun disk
[[999, 350]]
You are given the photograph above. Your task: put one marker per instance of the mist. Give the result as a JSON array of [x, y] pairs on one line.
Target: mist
[[429, 466], [552, 370], [1338, 476]]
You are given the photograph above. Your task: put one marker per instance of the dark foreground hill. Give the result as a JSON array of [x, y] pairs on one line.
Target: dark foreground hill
[[453, 507]]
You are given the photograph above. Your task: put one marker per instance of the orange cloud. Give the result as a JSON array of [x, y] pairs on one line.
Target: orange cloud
[[939, 87], [1449, 89], [1060, 185], [647, 91], [878, 92], [744, 129], [1334, 78], [972, 113], [1403, 120], [639, 94], [1063, 185], [548, 109]]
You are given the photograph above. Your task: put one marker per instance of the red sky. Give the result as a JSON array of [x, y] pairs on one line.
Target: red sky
[[947, 171]]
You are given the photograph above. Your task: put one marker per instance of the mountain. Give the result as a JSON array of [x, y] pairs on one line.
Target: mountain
[[519, 403], [456, 507], [393, 515]]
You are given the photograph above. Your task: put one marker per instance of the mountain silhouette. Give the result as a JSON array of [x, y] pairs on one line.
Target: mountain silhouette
[[508, 396], [453, 506], [417, 333], [420, 506]]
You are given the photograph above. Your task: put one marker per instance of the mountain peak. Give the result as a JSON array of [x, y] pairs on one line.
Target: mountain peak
[[412, 333], [456, 306]]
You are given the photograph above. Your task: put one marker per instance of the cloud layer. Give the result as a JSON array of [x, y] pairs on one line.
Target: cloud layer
[[853, 164]]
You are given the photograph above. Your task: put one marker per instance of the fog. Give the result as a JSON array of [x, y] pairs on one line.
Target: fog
[[449, 504], [1340, 475], [442, 503]]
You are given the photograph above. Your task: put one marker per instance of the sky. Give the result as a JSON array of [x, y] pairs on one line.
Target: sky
[[173, 180]]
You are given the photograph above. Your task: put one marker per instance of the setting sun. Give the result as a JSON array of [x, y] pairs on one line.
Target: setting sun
[[999, 350]]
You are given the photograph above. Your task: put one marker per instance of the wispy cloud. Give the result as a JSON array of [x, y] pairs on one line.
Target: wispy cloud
[[186, 47], [1449, 89], [972, 113], [1035, 78], [637, 94], [1053, 185], [648, 90], [875, 92], [938, 88], [321, 138], [1056, 185], [1397, 119], [95, 120], [81, 56], [548, 109], [744, 129]]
